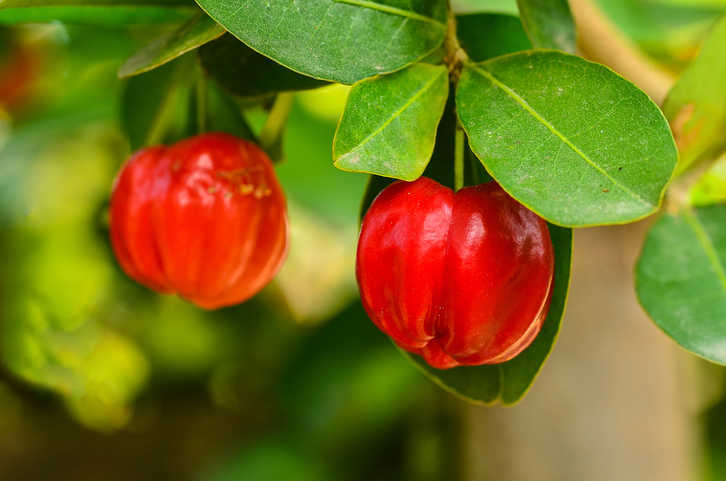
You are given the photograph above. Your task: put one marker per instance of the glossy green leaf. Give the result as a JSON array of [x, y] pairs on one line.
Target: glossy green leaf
[[95, 12], [389, 124], [548, 23], [680, 279], [509, 382], [696, 105], [340, 40], [571, 139], [441, 166], [197, 31], [486, 35], [244, 72]]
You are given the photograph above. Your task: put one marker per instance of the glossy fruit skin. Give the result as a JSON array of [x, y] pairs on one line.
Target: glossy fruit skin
[[204, 218], [459, 278]]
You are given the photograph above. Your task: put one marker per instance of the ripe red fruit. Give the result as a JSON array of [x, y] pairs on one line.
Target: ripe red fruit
[[204, 218], [459, 278], [20, 68]]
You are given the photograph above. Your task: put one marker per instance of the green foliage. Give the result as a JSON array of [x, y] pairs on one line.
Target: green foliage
[[307, 174], [669, 30], [711, 187], [696, 105], [346, 372], [155, 105], [199, 30], [54, 331], [681, 278], [244, 72], [559, 134], [549, 24], [341, 41], [485, 35], [269, 461], [389, 124], [106, 13]]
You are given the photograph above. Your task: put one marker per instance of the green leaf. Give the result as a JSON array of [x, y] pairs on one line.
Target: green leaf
[[244, 72], [95, 12], [548, 23], [570, 139], [224, 115], [339, 40], [94, 3], [696, 105], [155, 105], [509, 382], [711, 187], [680, 279], [197, 31], [485, 36], [506, 7], [389, 124], [440, 167]]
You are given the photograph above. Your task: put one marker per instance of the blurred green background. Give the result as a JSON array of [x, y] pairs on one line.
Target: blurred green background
[[103, 379]]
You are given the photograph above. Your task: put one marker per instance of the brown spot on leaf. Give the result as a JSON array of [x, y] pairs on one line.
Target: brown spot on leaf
[[686, 135]]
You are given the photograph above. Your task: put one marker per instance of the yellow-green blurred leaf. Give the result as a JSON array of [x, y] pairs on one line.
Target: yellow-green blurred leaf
[[696, 105], [711, 187]]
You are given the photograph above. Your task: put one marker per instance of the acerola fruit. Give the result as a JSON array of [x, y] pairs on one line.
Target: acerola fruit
[[204, 218], [459, 278], [20, 68]]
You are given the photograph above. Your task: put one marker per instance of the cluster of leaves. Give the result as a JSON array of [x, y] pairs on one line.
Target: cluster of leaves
[[570, 139]]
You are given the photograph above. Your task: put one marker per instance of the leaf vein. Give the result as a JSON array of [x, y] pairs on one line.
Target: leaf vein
[[395, 114], [391, 10], [483, 72], [707, 246]]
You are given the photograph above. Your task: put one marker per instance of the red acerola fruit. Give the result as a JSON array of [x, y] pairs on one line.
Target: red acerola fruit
[[459, 278], [204, 218], [20, 68]]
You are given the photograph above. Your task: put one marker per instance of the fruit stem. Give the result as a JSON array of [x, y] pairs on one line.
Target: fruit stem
[[458, 157], [167, 109], [454, 55], [270, 138], [202, 104]]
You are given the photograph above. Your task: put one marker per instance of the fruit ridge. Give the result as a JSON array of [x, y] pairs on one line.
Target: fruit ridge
[[204, 218], [459, 278]]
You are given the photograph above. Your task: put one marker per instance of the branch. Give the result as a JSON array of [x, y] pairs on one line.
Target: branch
[[600, 41]]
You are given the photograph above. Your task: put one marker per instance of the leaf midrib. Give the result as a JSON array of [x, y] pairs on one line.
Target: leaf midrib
[[707, 245], [391, 10], [543, 121], [395, 115]]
